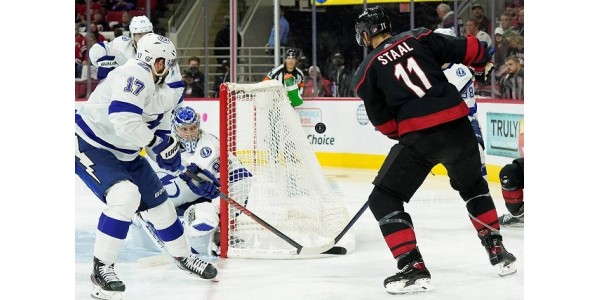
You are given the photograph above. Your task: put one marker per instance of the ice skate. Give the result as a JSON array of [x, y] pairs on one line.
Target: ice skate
[[107, 285], [499, 257], [196, 266], [412, 278], [508, 220]]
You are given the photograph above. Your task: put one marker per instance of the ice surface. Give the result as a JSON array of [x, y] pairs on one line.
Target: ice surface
[[458, 263]]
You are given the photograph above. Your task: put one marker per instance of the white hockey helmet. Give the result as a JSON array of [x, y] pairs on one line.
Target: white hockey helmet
[[140, 24], [152, 47], [446, 31]]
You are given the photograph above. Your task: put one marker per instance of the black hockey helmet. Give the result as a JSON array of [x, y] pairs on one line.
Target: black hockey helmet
[[373, 21], [293, 53]]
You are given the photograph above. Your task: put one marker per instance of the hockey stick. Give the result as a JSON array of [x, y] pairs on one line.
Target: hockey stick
[[154, 260], [327, 248]]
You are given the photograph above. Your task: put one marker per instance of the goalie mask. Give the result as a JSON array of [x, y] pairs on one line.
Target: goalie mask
[[186, 127], [372, 21]]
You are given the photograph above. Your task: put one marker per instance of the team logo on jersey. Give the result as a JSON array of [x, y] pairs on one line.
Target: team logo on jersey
[[460, 72], [205, 152]]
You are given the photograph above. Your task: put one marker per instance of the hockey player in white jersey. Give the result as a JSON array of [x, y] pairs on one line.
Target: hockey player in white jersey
[[129, 111], [461, 77], [198, 207], [109, 55]]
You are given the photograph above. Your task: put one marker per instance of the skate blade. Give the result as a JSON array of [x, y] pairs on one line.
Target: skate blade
[[398, 287], [99, 293], [505, 269]]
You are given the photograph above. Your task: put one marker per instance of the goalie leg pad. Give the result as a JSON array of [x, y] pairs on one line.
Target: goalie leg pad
[[201, 219]]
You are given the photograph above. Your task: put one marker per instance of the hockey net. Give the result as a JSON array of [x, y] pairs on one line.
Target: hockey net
[[287, 189]]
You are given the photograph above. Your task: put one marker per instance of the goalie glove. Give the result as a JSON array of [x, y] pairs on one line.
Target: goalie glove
[[484, 66], [165, 152], [208, 188]]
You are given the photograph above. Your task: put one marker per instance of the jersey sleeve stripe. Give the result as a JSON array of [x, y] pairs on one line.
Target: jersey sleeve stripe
[[117, 106], [474, 50], [89, 133], [176, 84]]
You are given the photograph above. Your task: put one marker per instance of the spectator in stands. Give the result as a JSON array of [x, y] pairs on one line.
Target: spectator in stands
[[341, 77], [80, 50], [321, 89], [506, 25], [481, 19], [100, 21], [224, 77], [100, 5], [501, 47], [123, 4], [446, 17], [93, 70], [473, 29], [303, 64], [117, 32], [81, 23], [512, 84], [284, 30], [222, 40], [510, 9], [125, 20], [520, 28], [516, 47], [195, 77], [94, 30]]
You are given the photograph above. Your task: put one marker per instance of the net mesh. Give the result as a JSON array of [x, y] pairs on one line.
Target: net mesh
[[287, 189]]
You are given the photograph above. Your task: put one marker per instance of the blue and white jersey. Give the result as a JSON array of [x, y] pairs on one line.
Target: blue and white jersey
[[462, 78], [126, 111], [205, 156], [109, 55]]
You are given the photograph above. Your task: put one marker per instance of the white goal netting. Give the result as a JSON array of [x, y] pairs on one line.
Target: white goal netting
[[287, 189]]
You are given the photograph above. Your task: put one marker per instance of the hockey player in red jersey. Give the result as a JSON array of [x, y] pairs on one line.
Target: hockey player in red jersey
[[512, 180], [408, 98]]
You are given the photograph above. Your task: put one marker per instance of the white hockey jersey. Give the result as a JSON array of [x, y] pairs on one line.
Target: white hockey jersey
[[462, 78], [109, 55], [125, 111], [206, 156]]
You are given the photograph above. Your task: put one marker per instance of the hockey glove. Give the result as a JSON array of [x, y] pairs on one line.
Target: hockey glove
[[206, 189], [106, 64], [484, 66], [166, 152]]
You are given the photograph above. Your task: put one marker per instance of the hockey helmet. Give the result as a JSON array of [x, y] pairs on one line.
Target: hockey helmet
[[373, 21], [293, 53], [152, 47], [140, 24]]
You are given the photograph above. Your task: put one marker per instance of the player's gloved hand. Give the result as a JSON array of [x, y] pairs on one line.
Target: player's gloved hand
[[166, 152], [106, 64], [209, 188], [484, 66], [477, 130]]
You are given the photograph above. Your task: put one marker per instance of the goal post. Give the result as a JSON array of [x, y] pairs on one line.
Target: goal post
[[260, 130]]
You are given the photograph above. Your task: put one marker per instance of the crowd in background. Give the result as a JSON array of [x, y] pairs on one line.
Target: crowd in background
[[337, 52]]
